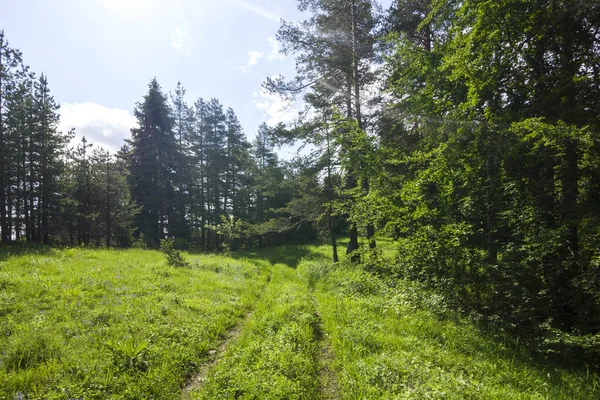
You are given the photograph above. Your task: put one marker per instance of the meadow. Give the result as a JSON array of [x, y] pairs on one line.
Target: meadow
[[99, 324], [278, 323]]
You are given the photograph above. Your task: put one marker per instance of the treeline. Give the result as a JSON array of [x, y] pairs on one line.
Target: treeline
[[187, 173], [51, 193], [197, 179], [32, 152], [469, 132], [489, 157]]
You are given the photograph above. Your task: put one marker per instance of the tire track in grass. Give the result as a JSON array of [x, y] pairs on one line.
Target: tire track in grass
[[276, 354], [215, 356], [328, 380]]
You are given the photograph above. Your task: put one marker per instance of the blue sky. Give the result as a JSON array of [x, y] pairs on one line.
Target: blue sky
[[99, 56]]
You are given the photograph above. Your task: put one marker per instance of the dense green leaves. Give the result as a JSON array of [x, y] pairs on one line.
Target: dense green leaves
[[488, 155]]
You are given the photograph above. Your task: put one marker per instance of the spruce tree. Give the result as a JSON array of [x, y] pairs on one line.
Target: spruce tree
[[9, 61], [49, 150], [183, 119], [152, 165]]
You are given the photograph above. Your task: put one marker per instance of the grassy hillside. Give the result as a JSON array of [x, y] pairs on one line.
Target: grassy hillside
[[273, 324], [115, 324]]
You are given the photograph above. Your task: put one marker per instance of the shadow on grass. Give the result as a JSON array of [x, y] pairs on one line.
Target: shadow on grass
[[289, 255], [20, 249]]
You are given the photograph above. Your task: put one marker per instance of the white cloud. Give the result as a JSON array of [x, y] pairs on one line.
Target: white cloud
[[180, 41], [255, 9], [275, 108], [275, 53], [102, 126], [254, 57]]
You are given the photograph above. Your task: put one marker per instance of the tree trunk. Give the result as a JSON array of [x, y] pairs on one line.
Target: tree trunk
[[332, 235], [358, 109], [3, 220], [330, 206], [570, 192]]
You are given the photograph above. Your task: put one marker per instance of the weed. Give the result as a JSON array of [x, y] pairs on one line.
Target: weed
[[127, 354]]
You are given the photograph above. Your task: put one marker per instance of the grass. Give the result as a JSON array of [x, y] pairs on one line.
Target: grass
[[98, 324], [275, 356], [401, 342], [114, 324]]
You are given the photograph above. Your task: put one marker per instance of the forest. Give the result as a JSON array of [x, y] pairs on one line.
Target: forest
[[465, 135]]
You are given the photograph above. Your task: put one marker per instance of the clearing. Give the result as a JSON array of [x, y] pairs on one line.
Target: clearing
[[277, 324]]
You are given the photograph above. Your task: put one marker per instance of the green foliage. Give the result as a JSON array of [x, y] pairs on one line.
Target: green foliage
[[140, 242], [487, 153], [233, 230], [128, 354], [173, 256]]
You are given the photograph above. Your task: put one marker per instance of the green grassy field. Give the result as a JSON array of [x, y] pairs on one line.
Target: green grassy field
[[115, 324], [272, 324], [401, 342]]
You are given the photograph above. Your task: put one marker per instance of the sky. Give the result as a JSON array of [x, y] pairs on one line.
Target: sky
[[100, 55]]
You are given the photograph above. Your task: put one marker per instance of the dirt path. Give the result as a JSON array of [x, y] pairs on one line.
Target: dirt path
[[215, 356]]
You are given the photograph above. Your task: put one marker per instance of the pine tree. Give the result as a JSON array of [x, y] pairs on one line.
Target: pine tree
[[153, 165], [215, 139], [115, 210], [83, 194], [198, 207], [50, 148], [335, 53], [183, 125], [9, 61], [237, 153]]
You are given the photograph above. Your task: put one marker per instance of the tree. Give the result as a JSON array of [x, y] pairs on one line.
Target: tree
[[9, 60], [198, 207], [50, 149], [153, 165], [488, 143], [237, 155], [183, 125], [115, 208], [83, 195], [335, 51]]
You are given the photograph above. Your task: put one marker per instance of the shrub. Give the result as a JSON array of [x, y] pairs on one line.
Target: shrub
[[173, 256]]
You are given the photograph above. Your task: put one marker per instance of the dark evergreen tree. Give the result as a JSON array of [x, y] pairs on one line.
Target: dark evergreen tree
[[183, 125], [237, 153], [9, 61], [152, 164], [48, 159]]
